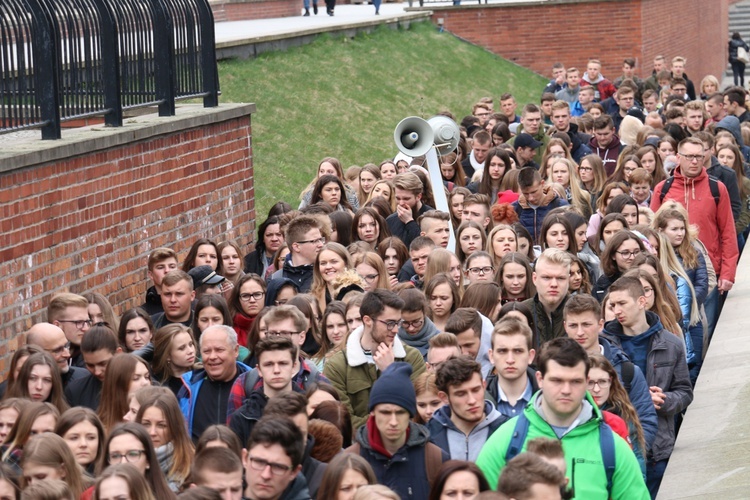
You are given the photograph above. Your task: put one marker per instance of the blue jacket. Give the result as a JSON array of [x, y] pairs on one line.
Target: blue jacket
[[732, 125], [639, 394], [191, 385], [443, 432], [698, 277], [532, 217]]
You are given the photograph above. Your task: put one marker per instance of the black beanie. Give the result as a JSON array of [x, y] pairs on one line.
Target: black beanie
[[394, 387]]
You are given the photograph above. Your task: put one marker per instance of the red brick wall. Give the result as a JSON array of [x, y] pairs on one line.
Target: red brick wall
[[536, 35], [255, 9], [88, 222]]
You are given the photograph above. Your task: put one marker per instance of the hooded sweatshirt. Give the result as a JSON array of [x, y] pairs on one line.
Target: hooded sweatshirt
[[715, 222], [636, 348], [421, 340], [732, 125], [603, 88], [445, 434], [608, 154], [531, 216]]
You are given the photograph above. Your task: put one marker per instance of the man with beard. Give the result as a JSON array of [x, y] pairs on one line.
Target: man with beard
[[403, 222]]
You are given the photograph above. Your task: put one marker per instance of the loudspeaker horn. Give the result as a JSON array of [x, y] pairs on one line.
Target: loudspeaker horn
[[446, 134], [413, 136]]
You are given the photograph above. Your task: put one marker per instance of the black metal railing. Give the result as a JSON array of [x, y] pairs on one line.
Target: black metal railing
[[69, 59]]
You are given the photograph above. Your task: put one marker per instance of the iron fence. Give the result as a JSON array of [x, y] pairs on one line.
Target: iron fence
[[69, 59]]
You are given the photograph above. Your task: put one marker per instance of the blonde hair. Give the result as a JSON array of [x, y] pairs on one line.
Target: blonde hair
[[61, 302], [50, 450], [373, 260], [579, 197], [391, 198]]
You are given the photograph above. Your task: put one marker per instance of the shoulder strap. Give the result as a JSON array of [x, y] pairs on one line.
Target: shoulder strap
[[251, 378], [665, 188], [607, 444], [627, 370], [518, 438], [714, 185], [433, 461]]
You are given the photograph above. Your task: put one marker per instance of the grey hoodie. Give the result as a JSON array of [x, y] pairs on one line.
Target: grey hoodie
[[460, 446]]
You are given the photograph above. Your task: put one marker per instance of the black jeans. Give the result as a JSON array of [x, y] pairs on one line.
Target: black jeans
[[738, 71]]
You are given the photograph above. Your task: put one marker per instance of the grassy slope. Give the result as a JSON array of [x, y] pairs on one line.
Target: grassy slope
[[342, 97]]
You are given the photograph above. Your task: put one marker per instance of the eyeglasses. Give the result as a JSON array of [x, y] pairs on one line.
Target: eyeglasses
[[60, 350], [79, 323], [647, 291], [626, 254], [369, 278], [692, 158], [317, 241], [603, 384], [390, 325], [129, 456], [585, 169], [412, 324], [481, 270], [245, 297], [276, 469], [282, 333]]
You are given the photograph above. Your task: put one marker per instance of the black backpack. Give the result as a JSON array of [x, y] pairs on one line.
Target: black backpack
[[712, 183]]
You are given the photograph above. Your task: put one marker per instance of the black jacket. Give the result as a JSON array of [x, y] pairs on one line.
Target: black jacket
[[302, 276], [406, 232], [85, 391], [152, 306], [312, 469], [727, 177], [253, 262]]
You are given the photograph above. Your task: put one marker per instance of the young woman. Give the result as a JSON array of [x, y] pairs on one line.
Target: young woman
[[608, 194], [353, 317], [666, 286], [9, 483], [341, 227], [470, 237], [230, 261], [730, 156], [384, 189], [246, 302], [204, 252], [565, 173], [219, 436], [328, 166], [667, 147], [174, 355], [610, 396], [344, 475], [307, 304], [625, 166], [556, 232], [478, 267], [484, 297], [388, 169], [16, 363], [611, 225], [495, 166], [136, 329], [161, 417], [452, 172], [369, 226], [46, 457], [525, 243], [368, 176], [618, 257], [514, 276], [100, 311], [126, 373], [456, 204], [122, 480], [444, 296], [332, 260], [330, 190], [428, 401], [34, 418], [394, 254], [371, 268], [458, 479], [212, 310], [652, 163], [556, 148], [10, 409], [39, 381], [579, 277], [626, 206], [501, 241], [84, 434], [270, 239], [442, 261], [333, 332], [593, 176], [131, 443]]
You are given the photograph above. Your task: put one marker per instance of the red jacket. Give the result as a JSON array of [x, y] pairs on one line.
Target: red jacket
[[715, 222], [618, 425]]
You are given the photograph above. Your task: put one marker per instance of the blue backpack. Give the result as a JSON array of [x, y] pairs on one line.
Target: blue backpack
[[606, 441]]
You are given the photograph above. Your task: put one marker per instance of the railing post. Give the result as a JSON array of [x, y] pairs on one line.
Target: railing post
[[110, 65], [208, 54], [164, 58], [46, 70]]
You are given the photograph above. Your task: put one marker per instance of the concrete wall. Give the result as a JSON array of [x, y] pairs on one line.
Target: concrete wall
[[83, 213], [535, 35]]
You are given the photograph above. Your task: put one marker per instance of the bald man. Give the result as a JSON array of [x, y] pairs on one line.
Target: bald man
[[51, 338]]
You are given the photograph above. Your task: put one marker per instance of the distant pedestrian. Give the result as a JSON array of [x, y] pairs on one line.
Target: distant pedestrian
[[738, 66]]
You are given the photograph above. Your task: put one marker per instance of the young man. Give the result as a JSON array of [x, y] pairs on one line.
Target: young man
[[70, 313], [561, 122], [477, 209], [558, 79], [734, 104], [531, 123], [562, 410], [474, 335], [545, 104], [436, 226], [218, 469], [403, 222], [443, 346], [463, 425], [625, 98], [98, 348], [551, 276], [305, 240], [714, 106], [205, 281], [277, 357], [273, 461], [585, 100], [508, 106], [583, 324], [603, 88], [678, 87], [569, 93], [525, 149], [529, 476], [536, 201], [177, 297], [416, 328], [480, 146], [52, 339], [481, 111], [628, 73], [605, 143], [650, 99], [205, 391], [678, 71], [398, 449], [652, 82], [419, 249], [369, 350], [160, 262], [512, 382], [661, 356]]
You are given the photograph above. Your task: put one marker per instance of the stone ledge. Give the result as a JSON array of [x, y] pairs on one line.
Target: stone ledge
[[24, 151]]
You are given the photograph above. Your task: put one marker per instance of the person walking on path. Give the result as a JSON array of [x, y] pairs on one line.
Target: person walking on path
[[738, 67]]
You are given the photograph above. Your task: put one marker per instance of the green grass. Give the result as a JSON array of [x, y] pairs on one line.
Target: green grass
[[343, 97]]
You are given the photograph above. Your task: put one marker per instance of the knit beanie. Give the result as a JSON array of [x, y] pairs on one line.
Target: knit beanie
[[394, 387]]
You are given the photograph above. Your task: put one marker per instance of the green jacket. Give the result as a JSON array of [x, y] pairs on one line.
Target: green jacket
[[352, 375], [540, 136], [580, 445]]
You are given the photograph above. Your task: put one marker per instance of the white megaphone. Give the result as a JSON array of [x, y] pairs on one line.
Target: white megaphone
[[446, 134], [413, 136]]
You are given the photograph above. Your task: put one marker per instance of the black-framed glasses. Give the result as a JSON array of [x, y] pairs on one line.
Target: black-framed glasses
[[692, 158], [390, 325], [481, 270], [316, 241], [59, 350], [603, 383], [417, 323], [281, 333], [369, 278], [245, 297], [626, 254], [78, 322], [129, 456], [276, 469]]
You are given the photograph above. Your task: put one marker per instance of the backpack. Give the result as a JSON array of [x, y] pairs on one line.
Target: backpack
[[252, 377], [712, 183], [606, 441], [433, 458]]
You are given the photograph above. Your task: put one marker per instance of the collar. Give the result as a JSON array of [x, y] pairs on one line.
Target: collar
[[526, 396], [355, 355]]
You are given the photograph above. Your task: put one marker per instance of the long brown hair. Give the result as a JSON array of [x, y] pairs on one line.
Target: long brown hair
[[75, 416], [51, 450], [115, 387], [329, 486], [163, 346], [21, 430], [20, 388]]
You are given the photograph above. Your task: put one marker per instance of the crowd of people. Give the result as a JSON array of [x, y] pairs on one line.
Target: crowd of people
[[351, 354]]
